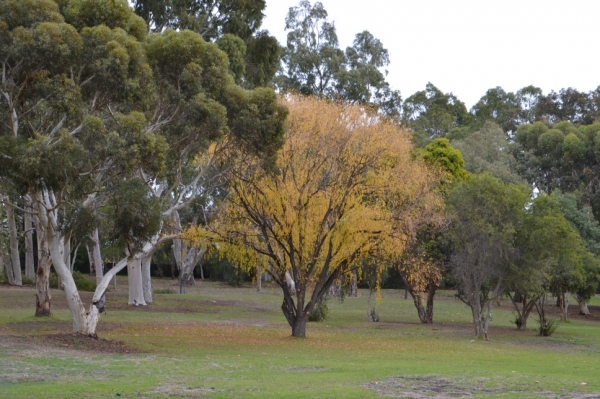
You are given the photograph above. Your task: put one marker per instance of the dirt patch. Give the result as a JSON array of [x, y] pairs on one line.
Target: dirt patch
[[83, 343], [434, 387], [66, 342]]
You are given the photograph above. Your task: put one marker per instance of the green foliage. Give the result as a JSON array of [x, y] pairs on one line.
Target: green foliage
[[488, 150], [320, 311], [487, 213], [135, 216], [552, 251], [547, 327], [313, 63], [432, 114], [27, 281], [498, 106], [82, 282], [441, 154], [234, 25]]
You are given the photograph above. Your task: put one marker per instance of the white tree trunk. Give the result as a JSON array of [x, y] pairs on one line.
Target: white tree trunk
[[14, 247], [134, 278], [97, 256], [29, 260], [583, 308], [147, 279]]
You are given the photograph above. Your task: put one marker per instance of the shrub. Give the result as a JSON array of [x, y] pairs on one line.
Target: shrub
[[27, 281], [81, 282], [548, 327], [163, 291], [320, 311]]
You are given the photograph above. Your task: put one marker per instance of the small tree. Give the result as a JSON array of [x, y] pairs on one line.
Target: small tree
[[343, 184], [486, 215]]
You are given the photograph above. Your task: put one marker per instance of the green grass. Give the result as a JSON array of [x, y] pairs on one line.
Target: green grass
[[222, 342]]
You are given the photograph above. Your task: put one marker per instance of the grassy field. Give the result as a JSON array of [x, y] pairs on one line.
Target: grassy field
[[218, 341]]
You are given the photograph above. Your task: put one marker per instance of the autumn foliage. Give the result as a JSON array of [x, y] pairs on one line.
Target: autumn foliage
[[344, 185]]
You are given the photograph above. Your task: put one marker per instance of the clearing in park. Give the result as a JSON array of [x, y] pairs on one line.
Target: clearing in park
[[218, 341]]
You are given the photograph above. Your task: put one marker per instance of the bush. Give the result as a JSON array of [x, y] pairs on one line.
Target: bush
[[548, 327], [81, 282], [320, 311], [373, 315], [27, 281], [163, 291]]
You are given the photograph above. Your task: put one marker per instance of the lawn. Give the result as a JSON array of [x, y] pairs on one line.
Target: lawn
[[217, 341]]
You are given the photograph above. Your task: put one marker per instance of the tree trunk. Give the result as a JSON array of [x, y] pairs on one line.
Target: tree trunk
[[335, 291], [96, 257], [147, 278], [583, 308], [14, 247], [259, 273], [353, 293], [9, 269], [134, 278], [43, 299], [431, 288], [299, 327], [29, 260], [564, 308]]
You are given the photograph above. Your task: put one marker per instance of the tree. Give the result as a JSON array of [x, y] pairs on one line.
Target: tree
[[582, 219], [234, 25], [550, 258], [488, 150], [500, 107], [92, 128], [486, 214], [432, 114], [344, 184], [313, 63]]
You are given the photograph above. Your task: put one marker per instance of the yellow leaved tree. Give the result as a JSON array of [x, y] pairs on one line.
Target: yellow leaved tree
[[344, 185]]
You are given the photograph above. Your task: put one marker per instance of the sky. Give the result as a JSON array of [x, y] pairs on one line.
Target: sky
[[469, 46]]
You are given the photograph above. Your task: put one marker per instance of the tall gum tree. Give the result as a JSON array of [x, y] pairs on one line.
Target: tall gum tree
[[343, 185], [86, 120]]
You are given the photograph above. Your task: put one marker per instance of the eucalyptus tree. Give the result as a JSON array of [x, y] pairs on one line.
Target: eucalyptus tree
[[86, 124], [432, 114], [313, 63], [234, 25]]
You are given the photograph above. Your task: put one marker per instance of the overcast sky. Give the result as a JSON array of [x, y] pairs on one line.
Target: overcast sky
[[469, 46]]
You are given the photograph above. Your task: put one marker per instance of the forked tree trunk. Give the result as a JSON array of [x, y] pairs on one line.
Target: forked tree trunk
[[134, 279], [147, 279], [14, 247], [423, 300], [525, 310], [564, 308], [29, 260]]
